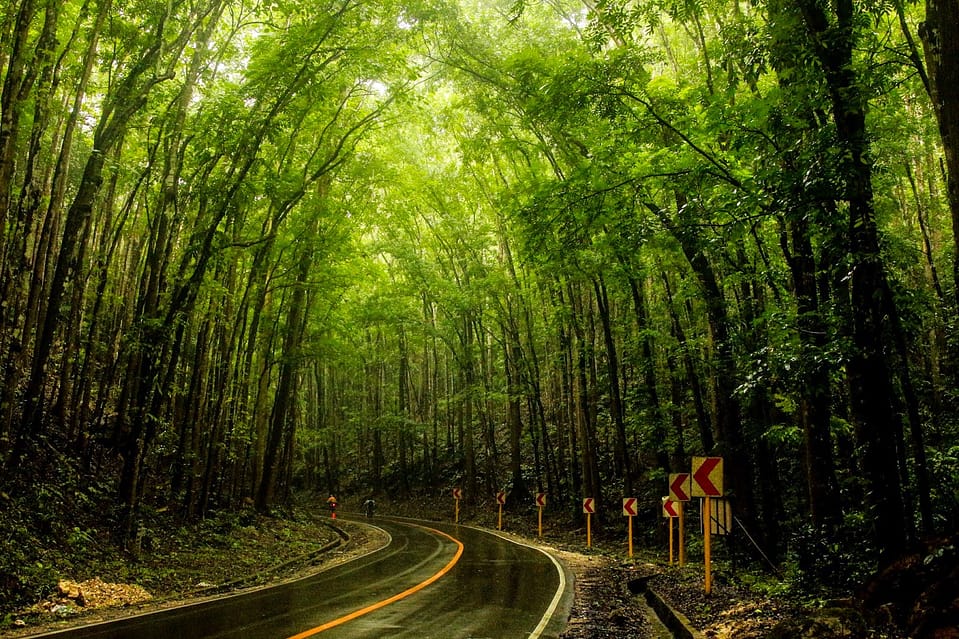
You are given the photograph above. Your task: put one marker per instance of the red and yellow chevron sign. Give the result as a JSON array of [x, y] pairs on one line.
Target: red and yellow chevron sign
[[707, 476]]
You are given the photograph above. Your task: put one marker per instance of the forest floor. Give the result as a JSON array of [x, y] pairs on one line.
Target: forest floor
[[268, 550]]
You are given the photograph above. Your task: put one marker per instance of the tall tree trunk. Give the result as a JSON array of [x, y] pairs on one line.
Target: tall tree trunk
[[469, 397], [512, 355], [815, 393], [940, 40], [585, 415], [282, 418], [624, 468], [730, 443], [648, 366], [403, 408], [871, 387], [567, 413], [704, 421]]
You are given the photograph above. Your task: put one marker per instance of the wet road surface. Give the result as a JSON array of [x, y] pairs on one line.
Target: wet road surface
[[431, 581]]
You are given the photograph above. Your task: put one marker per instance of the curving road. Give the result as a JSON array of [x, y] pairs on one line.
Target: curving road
[[432, 580]]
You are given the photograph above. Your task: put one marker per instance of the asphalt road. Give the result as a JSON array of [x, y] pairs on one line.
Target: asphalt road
[[431, 581]]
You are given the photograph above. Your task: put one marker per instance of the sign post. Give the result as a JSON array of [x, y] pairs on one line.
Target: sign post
[[707, 549], [457, 494], [589, 508], [671, 510], [680, 489], [500, 500], [671, 541], [540, 504], [629, 511], [707, 482]]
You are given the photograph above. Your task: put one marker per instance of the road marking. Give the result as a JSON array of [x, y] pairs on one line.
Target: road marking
[[394, 598], [560, 590], [554, 604]]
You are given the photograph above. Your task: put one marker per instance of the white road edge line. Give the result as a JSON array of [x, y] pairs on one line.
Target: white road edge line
[[554, 604], [557, 598]]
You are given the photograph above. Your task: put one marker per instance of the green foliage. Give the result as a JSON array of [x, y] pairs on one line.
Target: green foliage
[[830, 561], [46, 532], [944, 468]]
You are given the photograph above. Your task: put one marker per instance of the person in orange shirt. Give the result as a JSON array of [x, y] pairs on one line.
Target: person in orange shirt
[[331, 502]]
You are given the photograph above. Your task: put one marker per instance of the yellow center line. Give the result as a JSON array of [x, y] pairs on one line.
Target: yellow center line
[[394, 598]]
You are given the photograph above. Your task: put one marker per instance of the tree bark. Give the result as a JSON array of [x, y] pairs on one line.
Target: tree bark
[[940, 41], [623, 466]]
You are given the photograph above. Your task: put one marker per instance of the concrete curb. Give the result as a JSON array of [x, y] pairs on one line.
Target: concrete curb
[[671, 618], [675, 621]]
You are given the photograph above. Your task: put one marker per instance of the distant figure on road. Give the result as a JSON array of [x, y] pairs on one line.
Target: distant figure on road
[[331, 502], [369, 506]]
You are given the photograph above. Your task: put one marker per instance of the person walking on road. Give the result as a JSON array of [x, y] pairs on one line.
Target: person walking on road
[[331, 502], [369, 506]]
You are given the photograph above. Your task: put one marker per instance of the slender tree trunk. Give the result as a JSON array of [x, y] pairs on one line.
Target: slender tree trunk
[[583, 401], [815, 393], [730, 443], [567, 410], [282, 418], [703, 418], [624, 468], [512, 355], [403, 408], [648, 367], [469, 392]]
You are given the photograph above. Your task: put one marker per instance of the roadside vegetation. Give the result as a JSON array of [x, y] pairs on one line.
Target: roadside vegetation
[[78, 575]]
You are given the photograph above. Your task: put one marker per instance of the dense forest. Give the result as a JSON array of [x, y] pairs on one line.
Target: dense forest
[[250, 247]]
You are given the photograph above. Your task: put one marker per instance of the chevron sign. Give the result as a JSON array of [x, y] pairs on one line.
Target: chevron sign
[[679, 486], [707, 476], [670, 508]]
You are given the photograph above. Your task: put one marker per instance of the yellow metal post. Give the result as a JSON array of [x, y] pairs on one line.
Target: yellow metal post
[[630, 537], [589, 531], [540, 522], [682, 535], [670, 540], [456, 517], [707, 544], [499, 524]]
